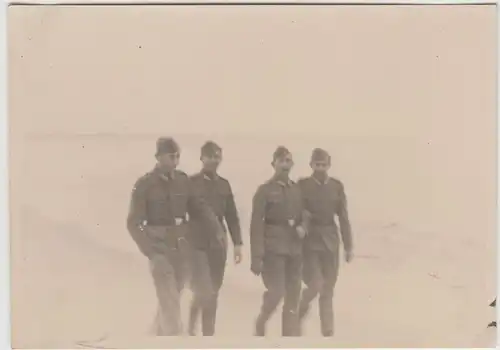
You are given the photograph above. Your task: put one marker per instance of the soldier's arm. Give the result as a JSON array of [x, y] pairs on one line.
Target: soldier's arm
[[137, 216], [232, 219], [257, 224], [345, 225], [305, 219]]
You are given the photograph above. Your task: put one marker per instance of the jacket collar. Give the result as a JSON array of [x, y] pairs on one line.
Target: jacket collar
[[320, 182], [284, 182], [165, 177], [207, 177]]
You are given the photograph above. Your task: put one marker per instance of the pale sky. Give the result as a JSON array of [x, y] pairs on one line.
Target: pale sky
[[334, 70]]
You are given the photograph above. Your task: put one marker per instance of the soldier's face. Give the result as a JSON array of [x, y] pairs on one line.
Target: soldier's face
[[283, 164], [320, 166], [211, 162], [169, 161]]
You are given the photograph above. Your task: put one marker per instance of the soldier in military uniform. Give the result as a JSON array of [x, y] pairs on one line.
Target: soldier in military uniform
[[276, 235], [161, 202], [209, 257], [324, 198]]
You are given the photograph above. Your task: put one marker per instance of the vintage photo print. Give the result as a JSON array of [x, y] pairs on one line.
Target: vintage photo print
[[252, 176]]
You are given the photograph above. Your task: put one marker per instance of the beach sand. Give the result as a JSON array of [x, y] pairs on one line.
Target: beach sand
[[403, 99]]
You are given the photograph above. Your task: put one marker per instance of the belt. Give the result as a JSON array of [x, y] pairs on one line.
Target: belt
[[176, 221], [286, 223], [167, 235], [323, 222]]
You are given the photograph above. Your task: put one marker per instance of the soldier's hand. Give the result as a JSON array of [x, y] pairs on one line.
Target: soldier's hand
[[256, 267], [238, 255], [349, 255], [301, 231], [221, 241]]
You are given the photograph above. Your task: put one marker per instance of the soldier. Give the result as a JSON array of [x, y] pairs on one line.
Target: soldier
[[209, 258], [161, 202], [276, 235], [324, 198]]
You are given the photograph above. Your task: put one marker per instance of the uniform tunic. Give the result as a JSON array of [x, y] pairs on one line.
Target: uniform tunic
[[218, 194], [209, 259], [324, 201], [277, 211]]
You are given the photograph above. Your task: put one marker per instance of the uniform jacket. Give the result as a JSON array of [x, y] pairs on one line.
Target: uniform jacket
[[277, 211], [159, 201], [218, 194], [325, 201]]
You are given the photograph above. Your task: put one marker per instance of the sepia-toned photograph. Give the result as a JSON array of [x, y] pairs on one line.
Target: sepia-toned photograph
[[252, 176]]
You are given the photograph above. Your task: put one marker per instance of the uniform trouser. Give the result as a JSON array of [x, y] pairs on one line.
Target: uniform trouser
[[282, 277], [207, 277], [320, 275], [170, 271]]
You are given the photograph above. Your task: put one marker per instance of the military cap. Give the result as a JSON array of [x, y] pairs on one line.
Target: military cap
[[280, 152], [166, 145], [210, 148], [320, 155]]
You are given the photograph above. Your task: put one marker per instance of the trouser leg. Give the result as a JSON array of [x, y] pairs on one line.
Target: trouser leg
[[201, 285], [217, 263], [293, 284], [330, 268], [313, 279], [273, 276], [168, 317]]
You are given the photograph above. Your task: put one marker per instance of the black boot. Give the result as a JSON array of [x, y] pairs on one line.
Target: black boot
[[208, 319], [260, 327], [290, 323], [327, 333]]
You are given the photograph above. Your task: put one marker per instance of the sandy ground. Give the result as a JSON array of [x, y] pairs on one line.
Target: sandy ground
[[403, 97], [76, 276]]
